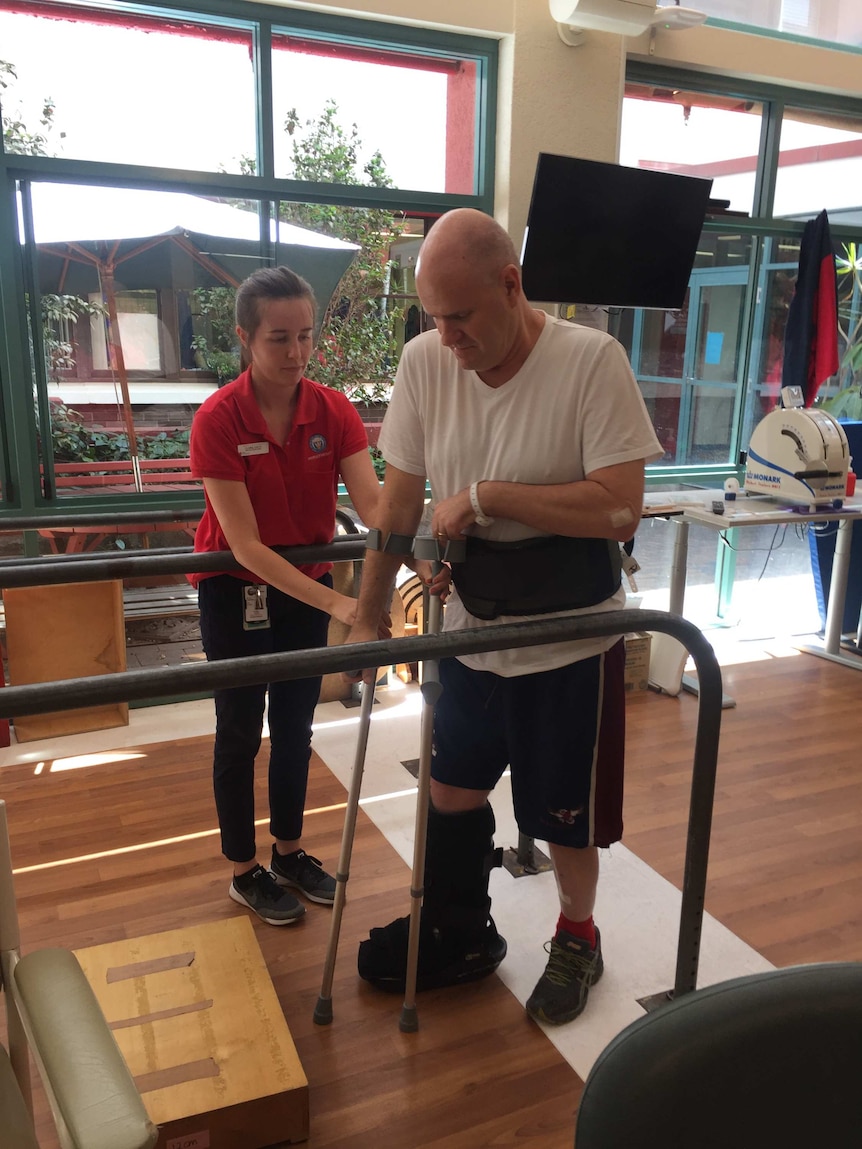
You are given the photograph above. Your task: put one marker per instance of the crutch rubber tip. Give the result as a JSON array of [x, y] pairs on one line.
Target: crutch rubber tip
[[323, 1011], [409, 1021]]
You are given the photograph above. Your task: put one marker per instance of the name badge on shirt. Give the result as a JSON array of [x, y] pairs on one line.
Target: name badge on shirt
[[255, 609], [253, 448]]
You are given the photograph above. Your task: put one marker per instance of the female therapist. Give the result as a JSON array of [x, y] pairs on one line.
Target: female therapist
[[270, 447]]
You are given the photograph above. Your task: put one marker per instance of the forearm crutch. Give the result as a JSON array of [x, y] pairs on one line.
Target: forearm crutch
[[323, 1009], [424, 548]]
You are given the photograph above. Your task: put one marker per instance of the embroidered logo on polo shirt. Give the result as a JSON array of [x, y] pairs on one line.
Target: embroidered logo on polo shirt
[[318, 444]]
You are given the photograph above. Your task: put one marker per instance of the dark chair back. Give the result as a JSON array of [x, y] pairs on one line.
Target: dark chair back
[[768, 1061]]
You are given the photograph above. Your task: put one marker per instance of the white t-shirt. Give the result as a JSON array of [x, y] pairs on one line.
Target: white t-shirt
[[573, 408]]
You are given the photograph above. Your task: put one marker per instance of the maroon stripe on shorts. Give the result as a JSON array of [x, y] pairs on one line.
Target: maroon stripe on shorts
[[610, 753]]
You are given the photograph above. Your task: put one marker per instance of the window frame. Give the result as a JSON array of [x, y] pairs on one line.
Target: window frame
[[760, 225], [19, 455]]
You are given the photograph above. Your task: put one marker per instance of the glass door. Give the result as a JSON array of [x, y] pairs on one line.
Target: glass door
[[711, 384]]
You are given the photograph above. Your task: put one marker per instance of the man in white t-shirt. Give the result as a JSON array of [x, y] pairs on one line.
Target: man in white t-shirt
[[534, 436]]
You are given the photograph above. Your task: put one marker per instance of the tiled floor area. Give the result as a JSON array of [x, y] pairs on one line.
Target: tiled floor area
[[163, 641]]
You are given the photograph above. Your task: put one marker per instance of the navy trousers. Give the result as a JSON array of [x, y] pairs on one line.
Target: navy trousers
[[239, 712]]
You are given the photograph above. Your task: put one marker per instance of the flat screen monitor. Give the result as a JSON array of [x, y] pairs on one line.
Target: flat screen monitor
[[609, 235]]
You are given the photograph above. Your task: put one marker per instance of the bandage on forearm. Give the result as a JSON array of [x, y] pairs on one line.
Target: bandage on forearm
[[622, 517]]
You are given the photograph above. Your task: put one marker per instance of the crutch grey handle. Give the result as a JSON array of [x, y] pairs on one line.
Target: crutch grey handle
[[439, 550]]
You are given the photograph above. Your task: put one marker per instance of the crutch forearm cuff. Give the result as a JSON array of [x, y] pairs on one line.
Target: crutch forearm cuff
[[390, 544]]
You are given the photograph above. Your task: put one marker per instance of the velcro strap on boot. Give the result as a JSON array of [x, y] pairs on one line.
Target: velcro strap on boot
[[460, 919], [459, 857], [536, 575], [493, 860]]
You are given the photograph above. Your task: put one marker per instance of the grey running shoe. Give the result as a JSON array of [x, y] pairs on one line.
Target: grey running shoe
[[269, 901], [304, 873], [562, 990]]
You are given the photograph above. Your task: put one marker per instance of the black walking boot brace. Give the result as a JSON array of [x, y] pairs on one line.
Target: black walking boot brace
[[458, 941]]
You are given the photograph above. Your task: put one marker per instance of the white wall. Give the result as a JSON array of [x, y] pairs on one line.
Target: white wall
[[754, 57], [468, 16], [556, 99]]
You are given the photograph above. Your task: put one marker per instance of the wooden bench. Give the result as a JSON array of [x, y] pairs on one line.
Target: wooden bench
[[117, 477], [118, 474], [83, 540], [141, 602]]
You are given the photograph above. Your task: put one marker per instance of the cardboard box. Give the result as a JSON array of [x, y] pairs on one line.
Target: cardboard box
[[71, 630], [637, 660], [196, 1016]]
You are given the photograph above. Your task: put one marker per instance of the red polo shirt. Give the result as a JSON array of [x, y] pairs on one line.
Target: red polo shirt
[[292, 486]]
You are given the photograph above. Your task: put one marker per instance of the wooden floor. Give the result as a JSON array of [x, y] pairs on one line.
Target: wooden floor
[[785, 870], [785, 876], [478, 1072]]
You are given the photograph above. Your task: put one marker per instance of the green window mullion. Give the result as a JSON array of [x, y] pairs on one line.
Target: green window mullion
[[486, 132], [263, 98], [225, 185], [752, 310], [265, 161], [40, 373], [766, 175], [22, 479]]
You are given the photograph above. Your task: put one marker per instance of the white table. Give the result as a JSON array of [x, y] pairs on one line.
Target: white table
[[694, 508]]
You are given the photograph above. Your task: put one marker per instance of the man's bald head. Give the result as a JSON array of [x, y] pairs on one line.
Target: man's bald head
[[466, 238], [469, 283]]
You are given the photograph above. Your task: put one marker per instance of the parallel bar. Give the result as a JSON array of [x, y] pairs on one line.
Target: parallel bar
[[49, 572], [203, 677], [10, 524], [84, 557]]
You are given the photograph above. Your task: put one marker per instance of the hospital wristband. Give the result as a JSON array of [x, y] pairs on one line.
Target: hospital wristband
[[481, 518]]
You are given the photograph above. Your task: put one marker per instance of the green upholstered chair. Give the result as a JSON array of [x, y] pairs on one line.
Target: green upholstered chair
[[52, 1012], [768, 1061]]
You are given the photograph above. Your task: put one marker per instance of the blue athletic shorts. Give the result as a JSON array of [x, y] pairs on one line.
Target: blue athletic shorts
[[561, 731]]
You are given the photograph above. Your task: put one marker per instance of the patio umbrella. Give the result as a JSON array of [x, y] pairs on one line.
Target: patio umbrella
[[96, 239]]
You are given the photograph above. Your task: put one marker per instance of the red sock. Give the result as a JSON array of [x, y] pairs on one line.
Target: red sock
[[585, 930]]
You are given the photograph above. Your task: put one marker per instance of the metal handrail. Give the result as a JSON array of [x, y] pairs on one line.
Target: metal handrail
[[50, 571], [86, 557], [47, 570], [49, 519], [203, 677], [11, 524]]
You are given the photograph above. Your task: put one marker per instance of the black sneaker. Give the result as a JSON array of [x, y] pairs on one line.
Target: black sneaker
[[304, 873], [258, 891], [451, 957], [562, 990]]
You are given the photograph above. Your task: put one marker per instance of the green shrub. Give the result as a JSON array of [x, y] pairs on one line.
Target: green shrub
[[74, 442]]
